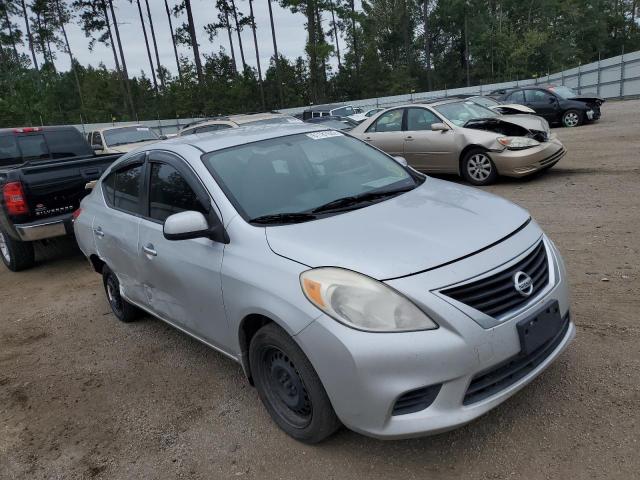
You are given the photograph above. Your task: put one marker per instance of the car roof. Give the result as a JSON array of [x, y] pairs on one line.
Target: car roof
[[238, 119], [231, 137]]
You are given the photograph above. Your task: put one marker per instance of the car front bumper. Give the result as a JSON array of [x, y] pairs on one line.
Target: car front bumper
[[519, 163], [364, 373]]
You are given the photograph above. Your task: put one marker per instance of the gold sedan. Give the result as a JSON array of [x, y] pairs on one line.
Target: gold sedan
[[459, 136]]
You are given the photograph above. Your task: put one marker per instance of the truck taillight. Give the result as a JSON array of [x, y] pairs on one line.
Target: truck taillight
[[14, 199], [76, 214], [26, 130]]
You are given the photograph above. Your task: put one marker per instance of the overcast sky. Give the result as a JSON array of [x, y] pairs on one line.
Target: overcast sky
[[290, 32]]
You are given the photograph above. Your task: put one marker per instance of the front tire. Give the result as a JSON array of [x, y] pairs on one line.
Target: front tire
[[289, 387], [16, 255], [123, 310], [571, 118], [478, 168]]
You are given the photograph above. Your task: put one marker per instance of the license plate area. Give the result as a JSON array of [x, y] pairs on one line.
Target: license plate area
[[539, 328]]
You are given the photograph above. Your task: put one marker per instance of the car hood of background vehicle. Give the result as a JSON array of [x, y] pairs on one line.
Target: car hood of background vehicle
[[131, 146], [431, 225], [587, 99]]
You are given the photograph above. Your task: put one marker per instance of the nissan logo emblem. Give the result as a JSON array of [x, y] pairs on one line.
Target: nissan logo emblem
[[523, 284]]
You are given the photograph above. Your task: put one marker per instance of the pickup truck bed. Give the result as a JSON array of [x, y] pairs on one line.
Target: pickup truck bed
[[38, 198]]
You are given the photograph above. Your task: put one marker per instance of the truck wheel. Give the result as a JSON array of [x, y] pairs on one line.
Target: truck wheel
[[289, 386], [123, 310], [15, 254], [571, 118]]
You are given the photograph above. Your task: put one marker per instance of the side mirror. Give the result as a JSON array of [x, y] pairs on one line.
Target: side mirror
[[192, 224], [439, 127], [402, 161]]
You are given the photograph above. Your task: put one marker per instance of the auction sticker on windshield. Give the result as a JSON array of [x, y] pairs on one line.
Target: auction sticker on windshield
[[324, 134]]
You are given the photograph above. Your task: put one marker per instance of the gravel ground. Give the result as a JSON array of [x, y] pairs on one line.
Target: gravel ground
[[84, 396]]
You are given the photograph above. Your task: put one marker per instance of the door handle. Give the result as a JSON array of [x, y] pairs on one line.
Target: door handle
[[149, 250], [98, 231]]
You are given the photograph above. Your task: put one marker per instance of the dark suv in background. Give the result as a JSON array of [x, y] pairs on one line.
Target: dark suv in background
[[556, 103]]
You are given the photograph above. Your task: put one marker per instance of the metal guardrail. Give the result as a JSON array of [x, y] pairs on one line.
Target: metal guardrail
[[615, 77]]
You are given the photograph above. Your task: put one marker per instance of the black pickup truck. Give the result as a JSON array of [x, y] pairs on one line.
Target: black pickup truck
[[43, 176]]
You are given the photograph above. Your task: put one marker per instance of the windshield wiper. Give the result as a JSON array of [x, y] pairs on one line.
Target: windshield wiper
[[276, 218], [358, 200]]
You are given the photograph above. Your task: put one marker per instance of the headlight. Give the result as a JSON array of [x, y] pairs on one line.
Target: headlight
[[361, 302], [518, 143]]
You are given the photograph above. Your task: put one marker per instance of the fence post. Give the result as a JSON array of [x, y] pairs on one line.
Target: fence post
[[562, 75], [622, 73], [579, 79], [598, 86]]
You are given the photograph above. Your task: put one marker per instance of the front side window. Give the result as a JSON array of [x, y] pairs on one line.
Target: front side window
[[420, 119], [299, 173], [170, 193], [122, 188], [127, 135], [460, 113], [390, 121]]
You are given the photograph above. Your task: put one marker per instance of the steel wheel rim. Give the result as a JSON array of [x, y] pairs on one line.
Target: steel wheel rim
[[284, 388], [113, 295], [571, 119], [4, 248], [479, 167]]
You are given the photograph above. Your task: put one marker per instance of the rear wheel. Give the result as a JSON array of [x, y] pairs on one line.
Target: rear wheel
[[289, 387], [571, 118], [16, 255], [478, 168], [123, 310]]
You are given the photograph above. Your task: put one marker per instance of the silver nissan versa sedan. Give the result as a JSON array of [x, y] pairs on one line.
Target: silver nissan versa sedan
[[352, 289]]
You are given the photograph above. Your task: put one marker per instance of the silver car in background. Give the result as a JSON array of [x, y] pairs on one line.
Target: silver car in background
[[351, 289]]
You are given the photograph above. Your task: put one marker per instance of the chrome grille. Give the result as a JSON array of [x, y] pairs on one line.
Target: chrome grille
[[496, 295]]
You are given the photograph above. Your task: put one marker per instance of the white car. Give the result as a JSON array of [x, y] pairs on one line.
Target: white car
[[361, 116]]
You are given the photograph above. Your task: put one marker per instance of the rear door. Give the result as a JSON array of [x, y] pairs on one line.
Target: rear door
[[386, 132], [116, 227], [182, 278], [544, 103], [425, 149]]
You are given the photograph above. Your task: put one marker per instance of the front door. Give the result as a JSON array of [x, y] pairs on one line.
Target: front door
[[544, 103], [181, 278], [386, 132], [425, 149]]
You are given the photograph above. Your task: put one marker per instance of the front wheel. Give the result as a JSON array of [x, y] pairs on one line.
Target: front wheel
[[16, 255], [571, 118], [478, 168], [289, 387]]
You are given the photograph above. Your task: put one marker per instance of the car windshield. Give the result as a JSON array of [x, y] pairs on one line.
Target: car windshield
[[460, 113], [485, 101], [294, 177], [125, 135], [564, 92]]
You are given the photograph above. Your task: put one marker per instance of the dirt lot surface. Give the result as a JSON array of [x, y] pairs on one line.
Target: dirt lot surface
[[84, 396]]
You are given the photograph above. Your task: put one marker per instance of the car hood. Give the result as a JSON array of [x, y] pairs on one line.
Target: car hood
[[429, 226], [587, 99], [512, 108], [131, 146], [521, 125]]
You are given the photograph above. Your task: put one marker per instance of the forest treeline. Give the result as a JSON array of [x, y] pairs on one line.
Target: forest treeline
[[383, 47]]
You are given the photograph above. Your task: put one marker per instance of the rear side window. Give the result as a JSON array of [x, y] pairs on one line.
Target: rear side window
[[33, 147], [122, 188], [170, 193], [9, 153], [516, 97], [67, 143]]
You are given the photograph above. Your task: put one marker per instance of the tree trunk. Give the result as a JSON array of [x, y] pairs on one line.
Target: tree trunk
[[255, 42], [71, 59], [233, 52], [466, 45], [312, 49], [125, 99], [277, 56], [235, 17], [13, 41], [146, 42], [427, 44], [125, 73], [194, 42], [155, 45], [173, 39], [335, 33], [320, 39], [353, 34]]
